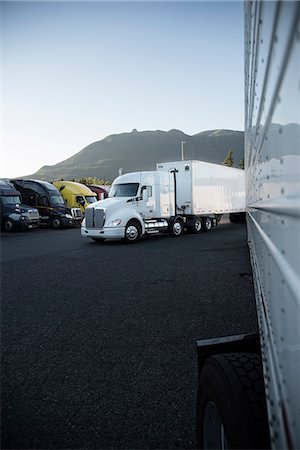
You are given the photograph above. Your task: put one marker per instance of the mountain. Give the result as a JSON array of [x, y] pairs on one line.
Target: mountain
[[137, 151]]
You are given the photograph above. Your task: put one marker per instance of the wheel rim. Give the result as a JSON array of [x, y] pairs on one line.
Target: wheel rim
[[213, 429], [177, 228], [132, 233], [208, 224], [198, 225], [8, 226]]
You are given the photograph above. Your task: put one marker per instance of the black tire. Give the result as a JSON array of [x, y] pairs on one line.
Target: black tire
[[207, 224], [231, 391], [133, 231], [176, 228], [8, 225], [56, 223], [197, 226]]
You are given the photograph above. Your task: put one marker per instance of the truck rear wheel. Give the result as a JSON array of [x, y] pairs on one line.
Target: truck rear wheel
[[133, 231], [8, 225], [197, 225], [231, 407], [207, 224]]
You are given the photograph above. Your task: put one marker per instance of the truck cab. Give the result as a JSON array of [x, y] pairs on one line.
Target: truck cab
[[138, 203], [13, 213], [75, 195], [50, 204], [101, 191]]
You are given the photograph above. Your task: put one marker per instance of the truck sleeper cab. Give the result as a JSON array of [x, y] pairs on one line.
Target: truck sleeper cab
[[47, 199], [75, 195], [138, 203], [14, 214]]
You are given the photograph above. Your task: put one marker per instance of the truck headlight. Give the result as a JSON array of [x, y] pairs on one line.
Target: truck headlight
[[115, 222], [22, 218], [83, 223], [68, 216]]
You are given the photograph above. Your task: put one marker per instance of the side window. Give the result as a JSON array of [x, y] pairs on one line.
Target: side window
[[29, 199], [43, 201], [80, 200]]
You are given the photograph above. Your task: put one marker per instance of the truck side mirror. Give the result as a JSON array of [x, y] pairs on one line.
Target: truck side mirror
[[145, 195]]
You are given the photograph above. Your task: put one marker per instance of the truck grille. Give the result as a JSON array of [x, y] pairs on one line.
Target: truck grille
[[76, 213], [33, 214], [94, 218]]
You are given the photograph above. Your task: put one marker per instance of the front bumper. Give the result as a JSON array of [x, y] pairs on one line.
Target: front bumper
[[27, 224], [103, 233], [68, 222]]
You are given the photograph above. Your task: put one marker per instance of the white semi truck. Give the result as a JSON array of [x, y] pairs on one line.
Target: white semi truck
[[249, 386], [179, 195]]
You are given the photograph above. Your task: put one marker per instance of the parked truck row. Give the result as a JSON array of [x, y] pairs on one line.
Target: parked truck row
[[27, 203]]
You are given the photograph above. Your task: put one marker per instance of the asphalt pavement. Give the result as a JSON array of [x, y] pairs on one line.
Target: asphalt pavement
[[99, 340]]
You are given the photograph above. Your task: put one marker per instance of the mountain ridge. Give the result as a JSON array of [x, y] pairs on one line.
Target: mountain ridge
[[141, 150]]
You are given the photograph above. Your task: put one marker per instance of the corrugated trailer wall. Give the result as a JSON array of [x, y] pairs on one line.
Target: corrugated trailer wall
[[272, 163]]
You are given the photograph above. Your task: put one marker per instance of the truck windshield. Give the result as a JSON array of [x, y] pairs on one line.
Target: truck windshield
[[124, 190], [11, 199], [90, 198], [56, 200]]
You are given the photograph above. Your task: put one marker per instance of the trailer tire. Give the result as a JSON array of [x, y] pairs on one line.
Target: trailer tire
[[133, 231], [207, 224], [231, 406], [8, 225], [176, 228], [56, 223]]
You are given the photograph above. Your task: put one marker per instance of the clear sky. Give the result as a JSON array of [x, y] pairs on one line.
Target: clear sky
[[76, 72]]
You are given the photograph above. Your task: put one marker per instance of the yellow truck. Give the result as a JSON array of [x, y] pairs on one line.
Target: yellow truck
[[75, 194]]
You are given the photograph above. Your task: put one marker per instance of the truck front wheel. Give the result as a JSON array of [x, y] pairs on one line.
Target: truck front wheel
[[56, 223], [8, 225], [133, 231], [176, 228], [231, 407]]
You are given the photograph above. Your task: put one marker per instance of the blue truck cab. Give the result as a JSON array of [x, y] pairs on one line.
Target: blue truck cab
[[13, 213]]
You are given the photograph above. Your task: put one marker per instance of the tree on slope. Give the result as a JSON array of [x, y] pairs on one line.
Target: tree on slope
[[229, 161]]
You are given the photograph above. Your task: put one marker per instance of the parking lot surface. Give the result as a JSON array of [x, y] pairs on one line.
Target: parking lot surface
[[99, 340]]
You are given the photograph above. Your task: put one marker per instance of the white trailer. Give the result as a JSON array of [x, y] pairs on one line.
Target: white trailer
[[180, 195], [257, 377], [207, 189]]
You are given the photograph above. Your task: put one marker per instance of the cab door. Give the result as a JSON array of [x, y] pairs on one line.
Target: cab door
[[145, 204]]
